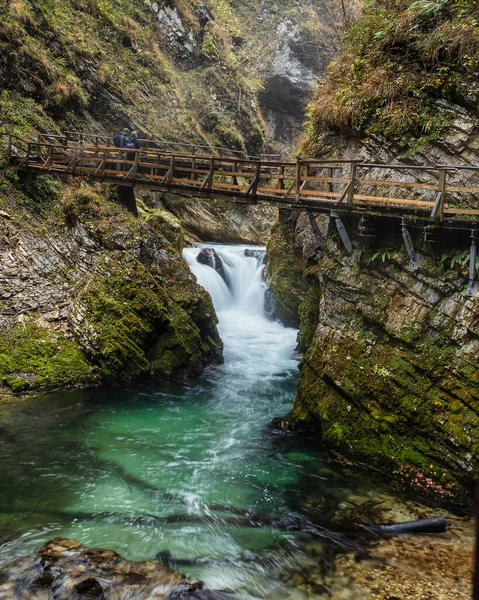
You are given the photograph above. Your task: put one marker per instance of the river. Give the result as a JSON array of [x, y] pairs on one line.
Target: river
[[182, 468]]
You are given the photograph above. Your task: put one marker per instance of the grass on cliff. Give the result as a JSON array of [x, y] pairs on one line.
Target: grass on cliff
[[114, 60], [396, 62]]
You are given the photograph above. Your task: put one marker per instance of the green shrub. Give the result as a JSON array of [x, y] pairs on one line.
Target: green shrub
[[396, 62]]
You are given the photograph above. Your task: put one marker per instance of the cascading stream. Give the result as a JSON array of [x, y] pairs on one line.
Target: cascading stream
[[182, 470]]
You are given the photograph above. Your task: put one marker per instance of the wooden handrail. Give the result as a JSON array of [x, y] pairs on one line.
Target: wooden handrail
[[305, 183]]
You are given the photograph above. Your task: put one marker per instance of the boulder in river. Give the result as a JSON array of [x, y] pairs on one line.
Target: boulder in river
[[64, 569], [209, 257]]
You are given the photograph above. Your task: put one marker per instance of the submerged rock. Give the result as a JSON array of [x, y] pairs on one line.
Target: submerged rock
[[64, 569], [270, 304], [253, 253], [210, 258]]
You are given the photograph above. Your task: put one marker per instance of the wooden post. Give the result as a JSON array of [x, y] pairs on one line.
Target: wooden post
[[27, 157], [442, 190], [234, 179], [104, 163], [306, 177], [298, 179], [157, 169], [352, 183], [331, 175], [171, 169], [281, 178], [169, 174], [193, 166], [50, 157], [438, 209], [135, 166], [253, 187]]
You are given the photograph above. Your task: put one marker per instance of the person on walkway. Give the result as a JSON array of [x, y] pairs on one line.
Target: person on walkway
[[132, 143], [121, 138], [120, 141]]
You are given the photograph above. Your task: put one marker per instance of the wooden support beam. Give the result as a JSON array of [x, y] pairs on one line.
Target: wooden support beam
[[253, 186], [438, 209], [281, 178], [169, 174], [234, 177], [352, 183], [209, 178], [298, 179], [134, 169], [290, 189], [345, 194]]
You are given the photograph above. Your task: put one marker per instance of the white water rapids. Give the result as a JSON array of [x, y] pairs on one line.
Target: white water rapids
[[260, 347]]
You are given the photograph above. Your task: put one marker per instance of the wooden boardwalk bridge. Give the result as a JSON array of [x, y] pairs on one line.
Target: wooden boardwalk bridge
[[422, 194]]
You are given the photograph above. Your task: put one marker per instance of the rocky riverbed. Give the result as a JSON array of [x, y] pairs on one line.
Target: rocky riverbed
[[64, 569]]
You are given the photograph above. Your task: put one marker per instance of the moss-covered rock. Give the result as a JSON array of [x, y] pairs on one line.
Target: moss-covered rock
[[129, 324], [108, 297], [390, 375], [33, 356]]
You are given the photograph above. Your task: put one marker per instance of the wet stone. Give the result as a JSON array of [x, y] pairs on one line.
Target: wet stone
[[210, 258], [67, 570]]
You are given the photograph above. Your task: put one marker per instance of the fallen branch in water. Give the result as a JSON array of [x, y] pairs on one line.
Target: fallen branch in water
[[433, 525]]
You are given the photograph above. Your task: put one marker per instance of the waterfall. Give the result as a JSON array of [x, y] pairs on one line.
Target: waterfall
[[255, 346], [244, 287]]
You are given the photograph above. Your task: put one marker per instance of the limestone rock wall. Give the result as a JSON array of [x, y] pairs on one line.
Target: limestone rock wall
[[391, 372], [91, 294]]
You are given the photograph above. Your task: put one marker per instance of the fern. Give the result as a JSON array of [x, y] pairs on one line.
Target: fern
[[384, 255], [460, 259], [428, 7]]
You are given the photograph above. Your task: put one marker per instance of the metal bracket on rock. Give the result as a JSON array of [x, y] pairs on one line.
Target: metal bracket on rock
[[472, 287], [408, 243], [342, 232]]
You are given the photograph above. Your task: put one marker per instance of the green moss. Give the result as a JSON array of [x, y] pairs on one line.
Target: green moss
[[168, 225], [391, 406], [34, 357], [285, 277], [308, 312], [17, 384], [125, 306]]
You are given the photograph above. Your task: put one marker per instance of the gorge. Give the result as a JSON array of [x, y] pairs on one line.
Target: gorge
[[183, 472], [241, 425]]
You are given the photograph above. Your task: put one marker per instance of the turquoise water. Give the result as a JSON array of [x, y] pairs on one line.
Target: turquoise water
[[182, 468]]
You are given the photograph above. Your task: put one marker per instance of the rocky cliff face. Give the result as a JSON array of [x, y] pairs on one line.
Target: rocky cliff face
[[302, 39], [90, 294], [390, 375]]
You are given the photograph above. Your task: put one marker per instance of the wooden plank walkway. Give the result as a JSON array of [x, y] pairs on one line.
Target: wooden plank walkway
[[422, 194]]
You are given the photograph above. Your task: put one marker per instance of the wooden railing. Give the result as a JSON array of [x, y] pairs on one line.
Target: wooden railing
[[79, 137], [426, 193]]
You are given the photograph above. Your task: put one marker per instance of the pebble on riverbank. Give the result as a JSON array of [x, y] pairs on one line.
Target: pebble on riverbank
[[415, 568]]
